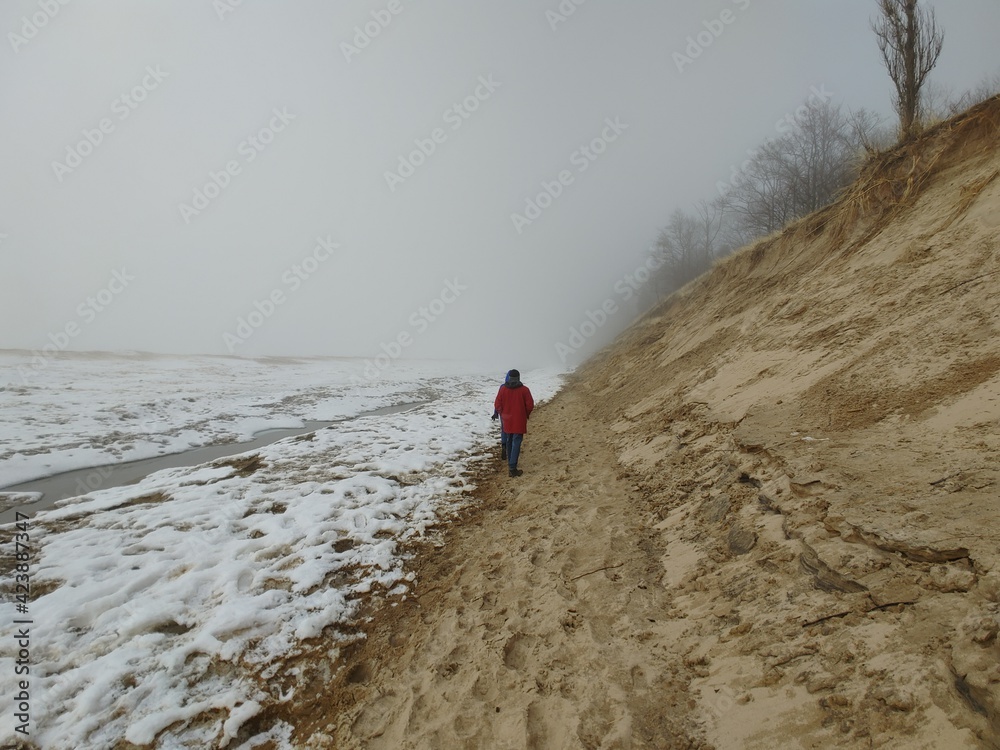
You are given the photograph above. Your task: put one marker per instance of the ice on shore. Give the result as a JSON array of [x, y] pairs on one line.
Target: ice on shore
[[168, 612]]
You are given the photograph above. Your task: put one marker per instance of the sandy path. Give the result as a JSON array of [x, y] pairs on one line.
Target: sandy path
[[541, 625]]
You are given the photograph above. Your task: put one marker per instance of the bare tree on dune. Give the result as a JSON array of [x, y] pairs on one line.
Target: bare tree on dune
[[910, 42]]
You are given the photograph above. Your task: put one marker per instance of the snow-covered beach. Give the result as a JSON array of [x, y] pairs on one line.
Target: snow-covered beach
[[169, 611]]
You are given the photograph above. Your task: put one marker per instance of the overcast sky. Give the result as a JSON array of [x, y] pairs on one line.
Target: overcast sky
[[343, 175]]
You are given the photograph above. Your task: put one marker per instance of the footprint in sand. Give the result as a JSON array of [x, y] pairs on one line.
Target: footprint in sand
[[517, 651]]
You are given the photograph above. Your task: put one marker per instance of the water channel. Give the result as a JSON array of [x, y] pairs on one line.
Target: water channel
[[81, 481]]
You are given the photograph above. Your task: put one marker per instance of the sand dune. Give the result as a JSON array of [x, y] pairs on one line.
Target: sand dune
[[766, 517]]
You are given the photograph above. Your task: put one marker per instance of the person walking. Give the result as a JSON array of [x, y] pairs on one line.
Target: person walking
[[513, 404]]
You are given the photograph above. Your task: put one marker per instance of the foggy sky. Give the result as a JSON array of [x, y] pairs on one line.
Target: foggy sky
[[290, 123]]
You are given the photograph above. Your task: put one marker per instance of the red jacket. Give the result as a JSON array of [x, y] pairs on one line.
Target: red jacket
[[514, 405]]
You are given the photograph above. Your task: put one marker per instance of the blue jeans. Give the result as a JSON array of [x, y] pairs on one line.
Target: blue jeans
[[512, 444]]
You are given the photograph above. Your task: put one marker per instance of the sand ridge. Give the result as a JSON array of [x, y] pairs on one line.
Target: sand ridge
[[765, 517]]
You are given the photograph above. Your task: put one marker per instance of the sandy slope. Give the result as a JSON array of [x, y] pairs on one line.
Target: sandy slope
[[767, 517]]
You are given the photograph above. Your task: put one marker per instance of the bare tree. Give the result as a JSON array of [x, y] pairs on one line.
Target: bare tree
[[935, 103], [798, 172], [910, 42], [709, 219], [685, 247], [678, 245], [988, 87], [818, 156], [867, 131], [760, 201], [939, 102]]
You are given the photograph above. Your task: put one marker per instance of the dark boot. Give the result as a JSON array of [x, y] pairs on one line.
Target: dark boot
[[503, 452], [515, 472]]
